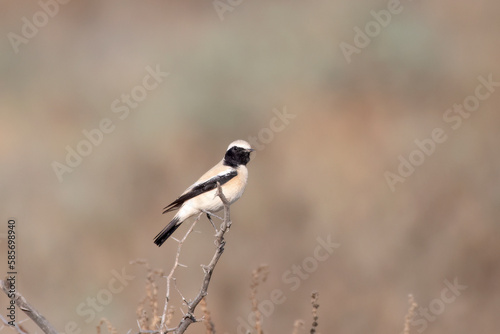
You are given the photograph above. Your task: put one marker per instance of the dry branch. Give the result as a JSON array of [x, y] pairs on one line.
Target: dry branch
[[30, 311], [170, 278], [189, 316]]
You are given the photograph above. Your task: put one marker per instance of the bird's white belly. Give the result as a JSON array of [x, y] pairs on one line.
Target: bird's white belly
[[210, 202]]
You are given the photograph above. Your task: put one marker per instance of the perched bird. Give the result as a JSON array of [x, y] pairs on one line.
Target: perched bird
[[232, 174]]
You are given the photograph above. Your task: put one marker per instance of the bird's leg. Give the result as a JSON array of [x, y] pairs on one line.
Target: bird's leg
[[211, 214], [211, 222]]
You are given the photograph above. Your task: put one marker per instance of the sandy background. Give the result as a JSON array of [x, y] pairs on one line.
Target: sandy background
[[320, 172]]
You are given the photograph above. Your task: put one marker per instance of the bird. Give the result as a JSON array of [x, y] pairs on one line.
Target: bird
[[231, 173]]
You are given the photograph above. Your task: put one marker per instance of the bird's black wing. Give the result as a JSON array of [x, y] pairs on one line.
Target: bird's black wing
[[201, 188]]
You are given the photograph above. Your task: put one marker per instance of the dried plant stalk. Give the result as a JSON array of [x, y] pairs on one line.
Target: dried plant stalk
[[411, 313], [315, 306]]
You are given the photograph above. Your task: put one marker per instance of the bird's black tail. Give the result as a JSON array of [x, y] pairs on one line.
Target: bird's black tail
[[167, 232]]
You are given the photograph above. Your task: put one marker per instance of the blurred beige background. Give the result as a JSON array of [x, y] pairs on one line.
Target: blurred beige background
[[320, 173]]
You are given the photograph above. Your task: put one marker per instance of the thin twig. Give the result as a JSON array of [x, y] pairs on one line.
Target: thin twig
[[170, 277], [30, 311], [179, 291]]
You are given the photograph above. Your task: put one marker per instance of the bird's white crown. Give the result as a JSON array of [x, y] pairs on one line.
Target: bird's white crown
[[240, 143]]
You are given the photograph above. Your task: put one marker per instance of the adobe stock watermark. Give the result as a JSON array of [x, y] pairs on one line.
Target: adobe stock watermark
[[31, 26], [373, 28], [121, 107], [278, 123], [437, 306], [454, 118], [93, 305], [293, 278], [223, 6]]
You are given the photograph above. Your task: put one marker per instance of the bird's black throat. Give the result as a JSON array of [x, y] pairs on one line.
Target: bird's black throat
[[236, 156]]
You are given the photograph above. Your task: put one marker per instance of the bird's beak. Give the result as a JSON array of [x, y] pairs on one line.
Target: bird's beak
[[250, 150]]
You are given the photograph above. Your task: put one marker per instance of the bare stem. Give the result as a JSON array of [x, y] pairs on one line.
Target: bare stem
[[171, 278], [30, 311], [189, 317]]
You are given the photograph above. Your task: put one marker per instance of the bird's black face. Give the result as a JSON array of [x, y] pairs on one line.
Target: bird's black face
[[236, 156]]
